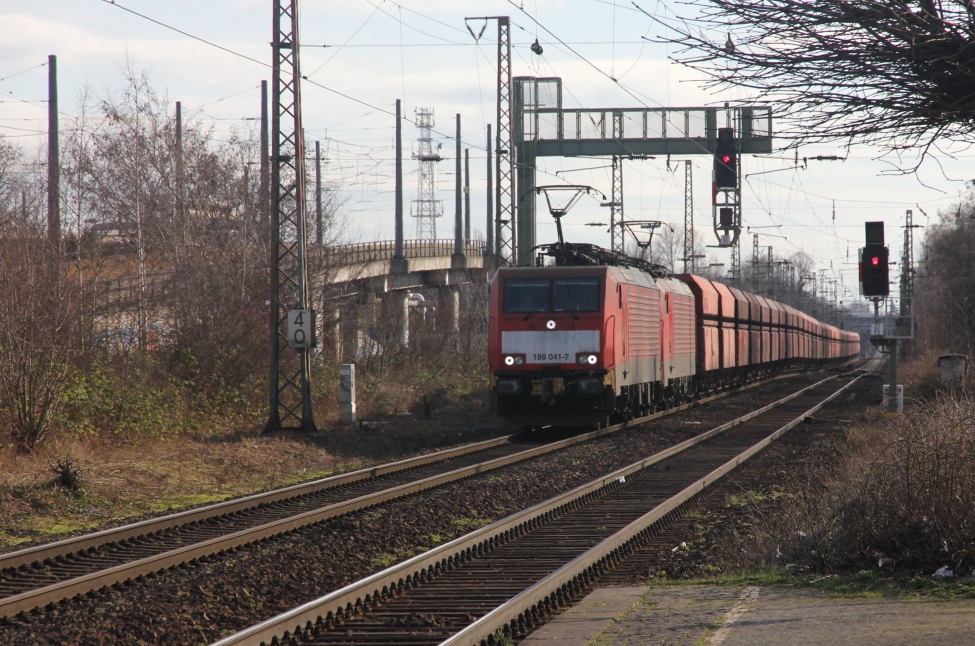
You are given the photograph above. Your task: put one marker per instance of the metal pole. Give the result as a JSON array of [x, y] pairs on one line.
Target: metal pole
[[689, 262], [505, 231], [489, 235], [398, 252], [264, 196], [290, 378], [617, 243], [319, 233], [458, 201], [53, 159], [180, 205], [467, 194], [892, 403]]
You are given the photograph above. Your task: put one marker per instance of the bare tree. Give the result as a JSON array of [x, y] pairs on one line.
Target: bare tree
[[37, 313], [891, 72], [945, 288], [667, 248], [9, 186]]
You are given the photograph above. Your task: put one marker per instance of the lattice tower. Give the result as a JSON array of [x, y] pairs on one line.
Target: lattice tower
[[426, 209]]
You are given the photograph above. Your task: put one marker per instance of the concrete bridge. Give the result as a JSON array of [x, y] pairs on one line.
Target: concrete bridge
[[357, 280]]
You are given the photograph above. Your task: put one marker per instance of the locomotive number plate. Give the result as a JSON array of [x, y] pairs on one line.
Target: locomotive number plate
[[551, 357]]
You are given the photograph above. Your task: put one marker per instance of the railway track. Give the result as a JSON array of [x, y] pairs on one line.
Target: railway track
[[507, 577], [48, 574]]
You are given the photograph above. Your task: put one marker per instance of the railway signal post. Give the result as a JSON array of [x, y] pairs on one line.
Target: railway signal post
[[875, 285]]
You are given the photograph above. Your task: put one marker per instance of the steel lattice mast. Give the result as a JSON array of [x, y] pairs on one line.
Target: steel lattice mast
[[504, 189], [290, 384], [426, 209], [507, 246], [689, 262], [617, 240]]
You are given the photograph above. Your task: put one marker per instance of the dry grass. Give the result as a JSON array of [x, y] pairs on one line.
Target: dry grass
[[901, 489], [120, 482]]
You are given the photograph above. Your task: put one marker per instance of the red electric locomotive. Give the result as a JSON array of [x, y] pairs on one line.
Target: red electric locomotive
[[602, 336], [572, 345]]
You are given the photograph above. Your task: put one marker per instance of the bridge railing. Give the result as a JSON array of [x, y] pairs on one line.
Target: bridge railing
[[363, 252]]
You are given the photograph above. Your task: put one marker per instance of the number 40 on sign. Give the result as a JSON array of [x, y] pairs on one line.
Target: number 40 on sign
[[301, 329]]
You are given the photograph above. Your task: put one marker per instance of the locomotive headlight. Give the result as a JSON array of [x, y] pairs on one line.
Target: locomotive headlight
[[582, 359], [509, 361], [519, 360], [591, 359], [587, 358], [550, 324]]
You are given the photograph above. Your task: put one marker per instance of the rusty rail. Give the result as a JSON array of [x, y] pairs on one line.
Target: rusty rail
[[353, 598]]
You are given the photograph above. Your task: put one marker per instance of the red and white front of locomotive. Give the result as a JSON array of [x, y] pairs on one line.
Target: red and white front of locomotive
[[546, 341]]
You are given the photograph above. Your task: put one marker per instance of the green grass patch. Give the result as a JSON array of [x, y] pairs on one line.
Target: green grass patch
[[182, 502], [863, 584], [470, 524], [386, 559]]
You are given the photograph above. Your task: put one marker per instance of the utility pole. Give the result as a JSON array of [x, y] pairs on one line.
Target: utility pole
[[398, 250], [755, 280], [467, 194], [506, 244], [689, 261], [319, 233], [264, 191], [458, 201], [53, 160], [292, 322], [180, 230], [489, 231], [616, 237], [907, 284]]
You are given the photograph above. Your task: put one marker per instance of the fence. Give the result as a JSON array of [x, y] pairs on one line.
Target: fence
[[363, 252]]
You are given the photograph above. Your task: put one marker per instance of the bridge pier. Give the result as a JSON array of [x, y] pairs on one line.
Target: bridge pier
[[453, 296], [364, 322], [401, 305]]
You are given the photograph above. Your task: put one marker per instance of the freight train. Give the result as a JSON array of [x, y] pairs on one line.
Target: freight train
[[599, 337]]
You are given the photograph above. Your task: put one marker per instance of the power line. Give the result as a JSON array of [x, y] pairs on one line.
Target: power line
[[29, 69]]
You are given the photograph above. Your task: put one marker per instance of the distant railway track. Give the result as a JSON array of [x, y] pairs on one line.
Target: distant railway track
[[508, 576], [48, 574]]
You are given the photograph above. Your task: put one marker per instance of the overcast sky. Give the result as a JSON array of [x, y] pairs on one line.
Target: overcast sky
[[374, 51]]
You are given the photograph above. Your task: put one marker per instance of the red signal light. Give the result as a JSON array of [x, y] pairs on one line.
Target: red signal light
[[875, 260], [725, 159]]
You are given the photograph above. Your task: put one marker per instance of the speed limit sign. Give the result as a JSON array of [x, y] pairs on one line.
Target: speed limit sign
[[301, 328]]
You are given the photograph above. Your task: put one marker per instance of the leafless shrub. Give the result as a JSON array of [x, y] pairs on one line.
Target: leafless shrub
[[68, 476], [907, 494], [38, 332]]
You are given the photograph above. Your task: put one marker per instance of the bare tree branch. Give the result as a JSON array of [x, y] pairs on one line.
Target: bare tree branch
[[893, 73]]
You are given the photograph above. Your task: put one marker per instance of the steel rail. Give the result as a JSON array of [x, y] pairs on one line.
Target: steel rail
[[149, 526], [83, 584], [507, 617], [357, 595], [85, 542]]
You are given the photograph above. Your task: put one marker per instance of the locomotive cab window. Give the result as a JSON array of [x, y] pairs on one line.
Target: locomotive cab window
[[575, 294], [522, 295], [527, 295]]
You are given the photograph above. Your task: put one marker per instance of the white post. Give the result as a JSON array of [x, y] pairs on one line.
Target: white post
[[403, 304], [455, 315], [347, 391]]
